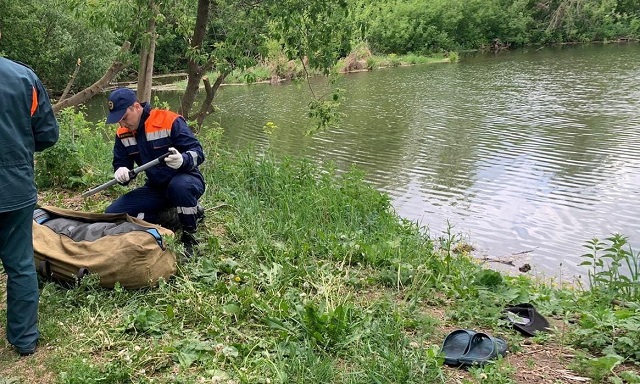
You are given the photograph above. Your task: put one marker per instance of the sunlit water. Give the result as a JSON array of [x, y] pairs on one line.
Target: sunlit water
[[527, 154]]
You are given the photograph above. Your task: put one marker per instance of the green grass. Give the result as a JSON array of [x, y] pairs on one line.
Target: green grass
[[378, 61], [304, 275]]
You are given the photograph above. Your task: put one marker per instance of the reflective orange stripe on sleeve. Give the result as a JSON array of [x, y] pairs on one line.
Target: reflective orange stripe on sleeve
[[34, 101]]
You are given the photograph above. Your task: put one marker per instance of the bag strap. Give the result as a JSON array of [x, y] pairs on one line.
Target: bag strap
[[82, 272], [44, 269]]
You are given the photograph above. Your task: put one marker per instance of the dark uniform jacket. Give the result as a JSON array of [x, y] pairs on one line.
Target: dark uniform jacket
[[27, 125], [158, 130]]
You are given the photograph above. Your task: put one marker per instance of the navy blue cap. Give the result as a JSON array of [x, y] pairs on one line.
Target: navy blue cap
[[119, 101]]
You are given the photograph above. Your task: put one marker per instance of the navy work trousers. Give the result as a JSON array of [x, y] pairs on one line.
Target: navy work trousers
[[16, 253], [145, 202]]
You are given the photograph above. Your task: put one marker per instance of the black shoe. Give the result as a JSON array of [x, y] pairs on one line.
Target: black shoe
[[200, 214], [189, 242], [28, 351]]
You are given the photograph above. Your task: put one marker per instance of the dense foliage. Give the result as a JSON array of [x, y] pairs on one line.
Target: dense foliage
[[421, 26], [46, 36], [50, 35]]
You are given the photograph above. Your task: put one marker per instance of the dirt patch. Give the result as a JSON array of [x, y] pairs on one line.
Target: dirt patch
[[67, 199], [531, 362], [544, 364], [30, 369]]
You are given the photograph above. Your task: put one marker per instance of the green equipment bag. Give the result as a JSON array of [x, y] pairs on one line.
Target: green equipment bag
[[118, 248]]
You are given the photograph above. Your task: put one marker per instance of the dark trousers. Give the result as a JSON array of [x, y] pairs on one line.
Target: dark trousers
[[146, 202], [16, 253]]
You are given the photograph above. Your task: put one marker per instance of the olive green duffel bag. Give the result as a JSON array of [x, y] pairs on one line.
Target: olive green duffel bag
[[118, 248]]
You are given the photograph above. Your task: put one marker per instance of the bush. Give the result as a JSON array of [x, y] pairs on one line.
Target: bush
[[80, 157]]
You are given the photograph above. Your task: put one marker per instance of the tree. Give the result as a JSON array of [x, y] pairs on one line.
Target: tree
[[47, 36], [96, 87], [135, 23], [199, 63], [147, 54], [222, 36], [234, 34]]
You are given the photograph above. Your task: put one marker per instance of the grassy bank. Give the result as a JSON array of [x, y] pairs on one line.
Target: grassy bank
[[278, 69], [308, 276]]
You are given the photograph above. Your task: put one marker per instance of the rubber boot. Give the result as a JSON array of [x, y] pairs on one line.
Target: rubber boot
[[168, 218], [200, 214], [189, 242]]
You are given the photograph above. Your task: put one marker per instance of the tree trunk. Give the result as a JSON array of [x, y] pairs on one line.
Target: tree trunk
[[147, 57], [71, 80], [207, 105], [194, 70], [96, 87], [141, 84]]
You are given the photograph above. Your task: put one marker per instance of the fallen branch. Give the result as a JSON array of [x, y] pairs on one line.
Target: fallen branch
[[620, 303], [71, 80], [523, 252], [490, 260], [96, 87]]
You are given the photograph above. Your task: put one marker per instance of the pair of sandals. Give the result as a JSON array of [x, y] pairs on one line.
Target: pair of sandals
[[465, 347]]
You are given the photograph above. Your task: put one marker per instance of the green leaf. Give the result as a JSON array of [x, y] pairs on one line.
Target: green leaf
[[186, 358], [275, 324], [231, 309], [630, 377], [622, 314]]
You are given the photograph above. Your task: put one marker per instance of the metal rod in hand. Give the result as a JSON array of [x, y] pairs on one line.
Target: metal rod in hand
[[132, 174]]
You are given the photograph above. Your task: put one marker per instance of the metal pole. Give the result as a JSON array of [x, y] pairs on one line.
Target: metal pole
[[132, 174]]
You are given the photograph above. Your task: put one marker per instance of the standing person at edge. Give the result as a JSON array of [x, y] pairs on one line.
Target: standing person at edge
[[27, 125], [144, 135]]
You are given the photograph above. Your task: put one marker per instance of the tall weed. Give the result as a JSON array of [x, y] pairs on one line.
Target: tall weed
[[614, 268]]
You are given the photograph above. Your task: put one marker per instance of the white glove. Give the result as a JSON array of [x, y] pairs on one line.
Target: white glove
[[174, 160], [122, 175]]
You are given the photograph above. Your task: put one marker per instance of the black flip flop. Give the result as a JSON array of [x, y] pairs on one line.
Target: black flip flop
[[455, 345], [482, 349], [526, 319]]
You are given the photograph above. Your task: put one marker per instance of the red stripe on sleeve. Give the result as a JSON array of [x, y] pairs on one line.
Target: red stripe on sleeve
[[34, 101]]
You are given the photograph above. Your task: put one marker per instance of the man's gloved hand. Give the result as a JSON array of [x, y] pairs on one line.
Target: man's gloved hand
[[174, 160], [122, 175]]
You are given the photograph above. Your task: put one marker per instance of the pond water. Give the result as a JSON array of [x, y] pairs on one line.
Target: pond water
[[527, 154]]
